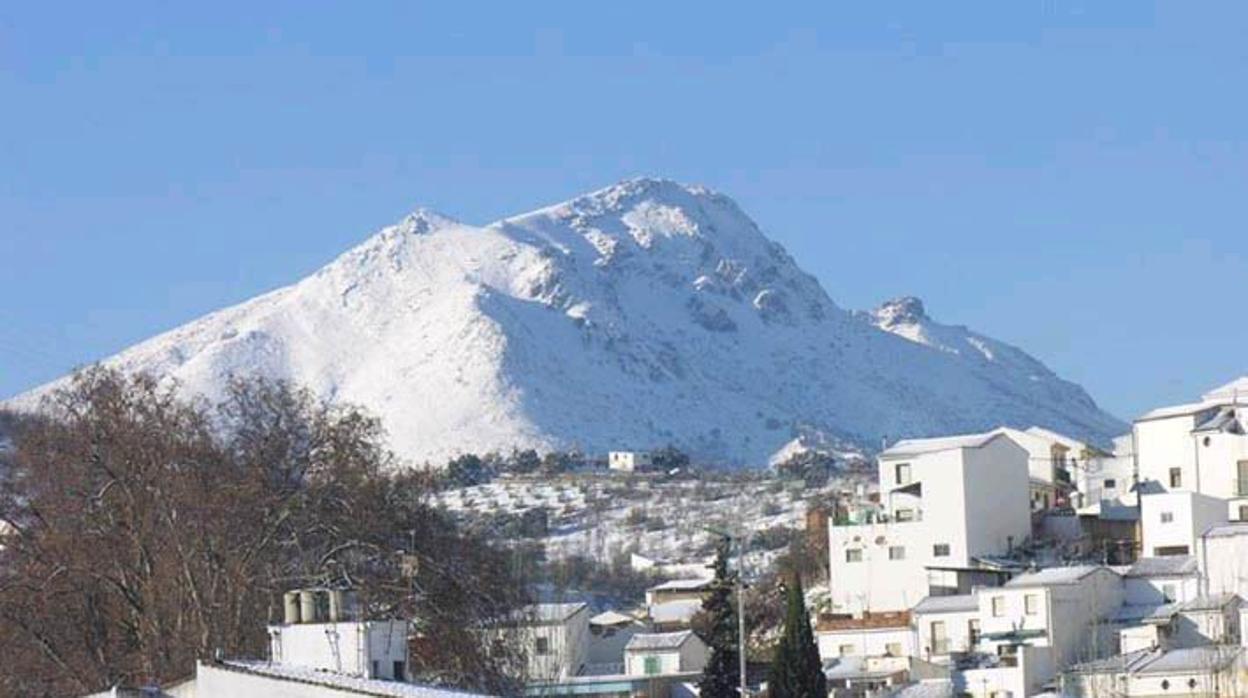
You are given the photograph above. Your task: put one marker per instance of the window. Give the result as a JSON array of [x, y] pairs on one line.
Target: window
[[1165, 684], [1031, 604], [902, 472], [1243, 512], [998, 606], [652, 666], [853, 555], [1176, 478], [1241, 482], [1169, 550], [972, 632], [893, 649], [845, 650], [1168, 592], [1109, 483], [1167, 516], [376, 669], [897, 552], [542, 645], [399, 673], [940, 550], [904, 515]]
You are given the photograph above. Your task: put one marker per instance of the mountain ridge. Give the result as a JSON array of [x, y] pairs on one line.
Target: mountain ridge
[[644, 313]]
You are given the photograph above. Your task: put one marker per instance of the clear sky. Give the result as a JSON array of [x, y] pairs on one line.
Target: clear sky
[[1069, 177]]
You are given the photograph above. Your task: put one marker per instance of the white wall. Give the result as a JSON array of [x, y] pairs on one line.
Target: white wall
[[1190, 514], [1224, 564], [872, 642], [567, 644], [347, 648], [689, 657], [1151, 590], [957, 632]]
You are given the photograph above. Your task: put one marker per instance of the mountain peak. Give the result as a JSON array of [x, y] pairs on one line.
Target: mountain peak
[[423, 220], [906, 310]]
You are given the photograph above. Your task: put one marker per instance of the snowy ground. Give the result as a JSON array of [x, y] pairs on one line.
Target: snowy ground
[[602, 516]]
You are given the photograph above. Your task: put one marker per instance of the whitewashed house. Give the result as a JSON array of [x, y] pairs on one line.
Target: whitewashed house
[[1223, 557], [629, 461], [556, 639], [1193, 672], [947, 502], [1106, 479], [657, 654], [1171, 523], [1199, 447], [946, 626], [887, 634], [1209, 619], [1154, 581]]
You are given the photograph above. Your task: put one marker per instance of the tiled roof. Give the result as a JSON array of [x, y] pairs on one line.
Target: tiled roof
[[1171, 566], [869, 621]]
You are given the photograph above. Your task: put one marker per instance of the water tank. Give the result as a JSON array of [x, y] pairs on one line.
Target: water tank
[[291, 604], [307, 606]]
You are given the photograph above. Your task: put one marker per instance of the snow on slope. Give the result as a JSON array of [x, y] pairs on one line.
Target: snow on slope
[[645, 313]]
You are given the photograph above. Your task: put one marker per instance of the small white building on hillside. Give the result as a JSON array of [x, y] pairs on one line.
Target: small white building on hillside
[[629, 461], [889, 634], [322, 633], [947, 626], [946, 502], [1154, 581], [657, 654], [556, 639]]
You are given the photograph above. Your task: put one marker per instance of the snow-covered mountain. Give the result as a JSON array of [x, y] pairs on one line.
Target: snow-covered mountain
[[643, 314]]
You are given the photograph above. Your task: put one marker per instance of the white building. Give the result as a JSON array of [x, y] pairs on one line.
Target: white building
[[1155, 581], [556, 639], [1106, 479], [1171, 523], [1194, 672], [1210, 619], [947, 626], [1199, 447], [1223, 558], [321, 634], [629, 461], [946, 502], [656, 654], [889, 634]]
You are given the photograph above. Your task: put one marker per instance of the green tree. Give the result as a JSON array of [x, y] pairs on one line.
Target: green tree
[[796, 671], [720, 679]]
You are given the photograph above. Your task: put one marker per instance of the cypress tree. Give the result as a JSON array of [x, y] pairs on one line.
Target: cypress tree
[[796, 671], [720, 678]]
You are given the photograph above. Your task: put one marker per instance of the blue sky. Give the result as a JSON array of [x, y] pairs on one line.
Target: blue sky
[[1069, 177]]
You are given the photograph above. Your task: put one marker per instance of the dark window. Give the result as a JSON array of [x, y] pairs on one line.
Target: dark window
[[1169, 550], [940, 550], [543, 645], [853, 555], [1176, 477], [376, 669], [1110, 483], [400, 674]]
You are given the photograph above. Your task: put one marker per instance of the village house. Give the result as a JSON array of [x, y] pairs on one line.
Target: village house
[[1194, 672], [885, 634], [1223, 558], [947, 504], [555, 637], [653, 654], [1172, 522], [1199, 447], [947, 626], [1154, 581], [629, 461]]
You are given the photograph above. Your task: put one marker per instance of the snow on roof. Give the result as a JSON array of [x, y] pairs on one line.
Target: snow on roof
[[550, 612], [1210, 602], [682, 585], [1226, 530], [915, 447], [1145, 613], [1191, 659], [959, 603], [1237, 388], [611, 618], [1055, 576], [1116, 663], [1050, 435], [1171, 566], [927, 688], [675, 611], [658, 641], [1189, 408], [354, 684]]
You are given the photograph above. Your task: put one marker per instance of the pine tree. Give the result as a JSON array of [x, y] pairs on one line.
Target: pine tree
[[796, 671], [720, 678]]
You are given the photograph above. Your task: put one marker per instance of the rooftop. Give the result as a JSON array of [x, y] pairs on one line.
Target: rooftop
[[675, 611], [916, 447], [1238, 528], [352, 684], [1191, 659], [1172, 566], [611, 618], [683, 585], [1210, 602], [1117, 663], [1055, 576], [658, 641], [959, 603], [868, 621], [1145, 613], [544, 613]]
